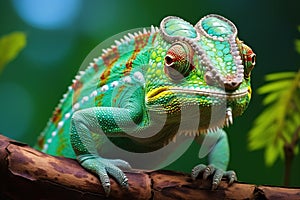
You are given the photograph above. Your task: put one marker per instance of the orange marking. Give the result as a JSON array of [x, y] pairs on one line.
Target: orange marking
[[109, 59], [140, 42], [56, 116], [77, 86]]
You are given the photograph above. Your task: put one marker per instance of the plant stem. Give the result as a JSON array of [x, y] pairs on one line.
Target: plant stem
[[289, 156]]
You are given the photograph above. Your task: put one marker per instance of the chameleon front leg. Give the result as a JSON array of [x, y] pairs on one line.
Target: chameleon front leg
[[101, 120], [218, 159]]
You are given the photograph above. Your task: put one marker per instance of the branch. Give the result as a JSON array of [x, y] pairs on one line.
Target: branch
[[26, 173]]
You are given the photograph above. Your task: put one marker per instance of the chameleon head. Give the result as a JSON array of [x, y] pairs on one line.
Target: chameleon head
[[205, 65]]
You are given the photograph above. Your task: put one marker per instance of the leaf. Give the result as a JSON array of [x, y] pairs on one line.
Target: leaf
[[274, 86], [270, 98], [10, 46], [257, 137], [271, 155], [277, 123], [280, 75], [296, 119]]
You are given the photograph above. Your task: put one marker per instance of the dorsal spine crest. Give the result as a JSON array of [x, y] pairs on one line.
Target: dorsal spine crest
[[130, 42]]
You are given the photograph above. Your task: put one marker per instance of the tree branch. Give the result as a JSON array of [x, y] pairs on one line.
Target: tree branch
[[26, 173]]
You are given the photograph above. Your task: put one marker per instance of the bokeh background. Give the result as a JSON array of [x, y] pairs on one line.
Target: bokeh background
[[61, 33]]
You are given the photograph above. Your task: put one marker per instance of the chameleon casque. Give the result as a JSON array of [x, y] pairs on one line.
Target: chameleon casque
[[203, 70]]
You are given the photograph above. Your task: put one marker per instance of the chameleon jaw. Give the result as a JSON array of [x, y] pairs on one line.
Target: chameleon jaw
[[227, 122], [194, 133]]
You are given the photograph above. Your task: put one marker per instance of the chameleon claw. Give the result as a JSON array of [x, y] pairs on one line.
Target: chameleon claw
[[105, 183], [208, 171], [125, 184], [231, 176], [106, 190], [214, 185], [217, 174], [102, 167], [196, 170]]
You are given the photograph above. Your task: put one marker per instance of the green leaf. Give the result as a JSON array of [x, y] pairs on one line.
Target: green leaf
[[271, 155], [296, 118], [274, 86], [264, 127], [270, 98], [277, 123], [257, 137], [10, 46], [280, 75]]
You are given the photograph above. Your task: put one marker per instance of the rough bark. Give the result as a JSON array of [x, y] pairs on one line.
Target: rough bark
[[26, 173]]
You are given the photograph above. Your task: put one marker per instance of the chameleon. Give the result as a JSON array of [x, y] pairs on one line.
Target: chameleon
[[150, 78]]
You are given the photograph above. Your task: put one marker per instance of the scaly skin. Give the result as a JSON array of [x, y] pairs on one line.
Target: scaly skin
[[203, 70]]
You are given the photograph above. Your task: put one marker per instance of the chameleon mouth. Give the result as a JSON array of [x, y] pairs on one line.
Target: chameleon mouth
[[212, 92], [218, 93]]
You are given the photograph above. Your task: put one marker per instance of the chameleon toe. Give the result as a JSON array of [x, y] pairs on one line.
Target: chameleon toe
[[197, 170], [217, 177], [209, 170], [215, 173], [231, 176]]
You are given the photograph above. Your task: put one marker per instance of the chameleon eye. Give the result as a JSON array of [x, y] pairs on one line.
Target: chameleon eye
[[249, 60], [169, 60], [178, 61], [253, 58]]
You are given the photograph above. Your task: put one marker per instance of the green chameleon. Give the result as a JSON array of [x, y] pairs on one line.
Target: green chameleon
[[149, 79]]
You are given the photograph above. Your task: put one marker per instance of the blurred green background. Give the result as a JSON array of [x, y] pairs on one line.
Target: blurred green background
[[61, 33]]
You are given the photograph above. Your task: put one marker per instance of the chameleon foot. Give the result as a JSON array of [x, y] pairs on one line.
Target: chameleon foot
[[217, 174], [104, 167]]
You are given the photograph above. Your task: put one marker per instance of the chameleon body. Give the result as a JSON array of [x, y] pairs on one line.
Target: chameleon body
[[203, 70]]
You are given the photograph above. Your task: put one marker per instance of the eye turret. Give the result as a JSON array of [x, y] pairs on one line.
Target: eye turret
[[178, 61], [249, 60]]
